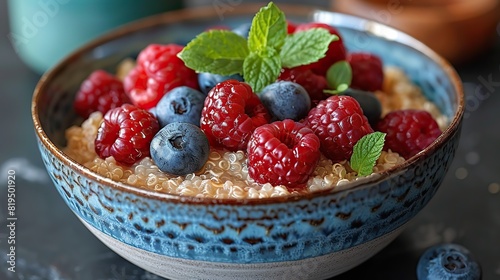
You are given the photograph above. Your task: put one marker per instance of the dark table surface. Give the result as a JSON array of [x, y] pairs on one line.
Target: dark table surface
[[52, 244]]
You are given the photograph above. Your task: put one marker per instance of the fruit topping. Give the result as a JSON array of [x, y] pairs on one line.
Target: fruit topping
[[180, 149], [208, 80], [290, 27], [101, 91], [323, 103], [339, 123], [408, 131], [367, 71], [158, 70], [286, 100], [314, 84], [231, 113], [370, 104], [283, 153], [126, 134], [181, 104]]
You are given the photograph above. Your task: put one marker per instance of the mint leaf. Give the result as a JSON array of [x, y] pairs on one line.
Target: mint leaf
[[269, 29], [261, 68], [339, 77], [366, 152], [341, 88], [216, 51], [306, 47], [260, 58]]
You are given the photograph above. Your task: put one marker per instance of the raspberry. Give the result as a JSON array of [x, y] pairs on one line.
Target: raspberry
[[158, 70], [126, 133], [101, 91], [313, 84], [339, 123], [231, 113], [367, 72], [283, 153], [290, 27], [336, 50], [408, 131]]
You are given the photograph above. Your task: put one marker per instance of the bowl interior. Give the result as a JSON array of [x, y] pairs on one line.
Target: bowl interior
[[54, 95]]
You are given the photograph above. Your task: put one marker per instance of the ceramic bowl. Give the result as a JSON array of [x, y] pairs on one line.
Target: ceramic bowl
[[314, 236]]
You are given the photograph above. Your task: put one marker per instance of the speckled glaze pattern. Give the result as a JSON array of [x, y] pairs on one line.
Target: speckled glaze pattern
[[321, 267], [248, 232]]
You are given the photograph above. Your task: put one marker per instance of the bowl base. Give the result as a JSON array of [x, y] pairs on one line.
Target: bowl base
[[322, 267]]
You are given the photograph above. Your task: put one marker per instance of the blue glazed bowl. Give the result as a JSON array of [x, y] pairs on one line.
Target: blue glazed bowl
[[313, 236]]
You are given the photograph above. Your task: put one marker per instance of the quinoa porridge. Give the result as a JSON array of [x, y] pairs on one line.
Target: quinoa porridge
[[225, 174]]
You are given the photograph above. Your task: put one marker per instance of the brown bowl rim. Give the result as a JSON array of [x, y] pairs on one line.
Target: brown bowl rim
[[243, 9]]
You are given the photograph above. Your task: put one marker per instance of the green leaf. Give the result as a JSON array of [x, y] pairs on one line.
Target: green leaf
[[261, 68], [339, 76], [306, 47], [366, 152], [341, 88], [268, 30], [216, 51]]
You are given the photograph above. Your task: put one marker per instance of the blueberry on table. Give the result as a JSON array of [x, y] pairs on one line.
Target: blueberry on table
[[370, 104], [286, 100], [208, 80], [181, 104], [180, 148], [448, 262]]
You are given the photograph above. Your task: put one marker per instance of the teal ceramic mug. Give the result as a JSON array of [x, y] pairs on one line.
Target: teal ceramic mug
[[44, 31]]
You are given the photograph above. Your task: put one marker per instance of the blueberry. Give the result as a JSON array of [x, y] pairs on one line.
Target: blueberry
[[243, 29], [370, 104], [180, 148], [153, 111], [181, 104], [208, 80], [286, 100], [447, 261]]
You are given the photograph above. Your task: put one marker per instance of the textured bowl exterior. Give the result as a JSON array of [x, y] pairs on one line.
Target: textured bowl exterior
[[247, 235]]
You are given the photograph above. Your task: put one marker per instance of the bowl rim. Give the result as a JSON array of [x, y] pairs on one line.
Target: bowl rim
[[170, 17]]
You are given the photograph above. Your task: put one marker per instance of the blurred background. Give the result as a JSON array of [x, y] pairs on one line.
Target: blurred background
[[457, 29], [53, 244]]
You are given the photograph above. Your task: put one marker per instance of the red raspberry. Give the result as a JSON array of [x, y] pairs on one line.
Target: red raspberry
[[313, 84], [290, 27], [408, 131], [283, 153], [336, 50], [231, 113], [339, 123], [101, 91], [367, 71], [158, 70], [125, 134]]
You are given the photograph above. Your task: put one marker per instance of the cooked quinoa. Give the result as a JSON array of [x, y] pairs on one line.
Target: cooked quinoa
[[225, 174]]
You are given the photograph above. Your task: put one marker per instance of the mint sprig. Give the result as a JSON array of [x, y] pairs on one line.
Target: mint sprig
[[260, 57], [338, 77], [268, 30], [306, 47], [204, 59], [366, 153], [260, 68]]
